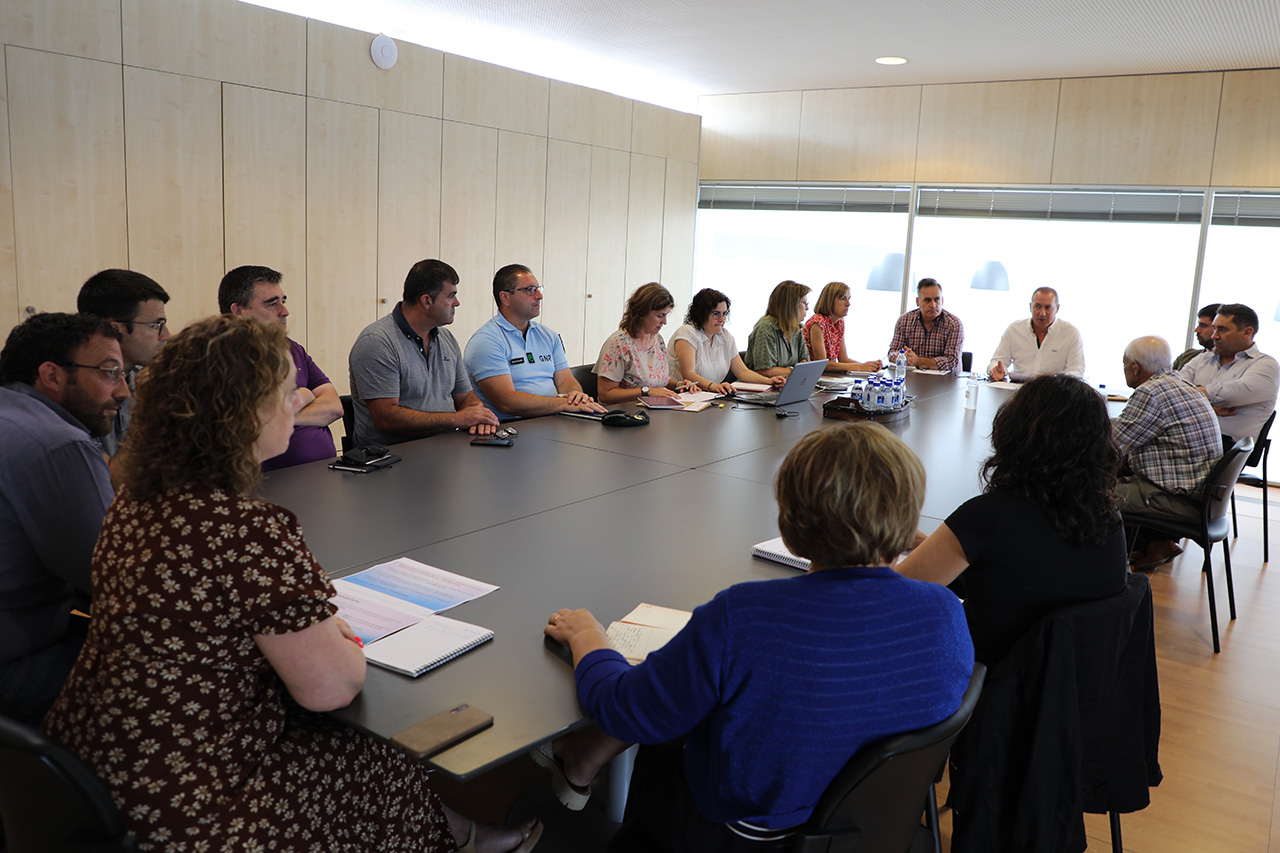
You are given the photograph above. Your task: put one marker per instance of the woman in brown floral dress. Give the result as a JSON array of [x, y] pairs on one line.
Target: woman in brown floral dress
[[213, 645]]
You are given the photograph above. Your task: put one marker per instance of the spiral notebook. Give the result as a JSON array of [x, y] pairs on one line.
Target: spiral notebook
[[774, 550], [425, 645]]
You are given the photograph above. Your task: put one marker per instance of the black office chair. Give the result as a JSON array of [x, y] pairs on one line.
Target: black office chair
[[876, 801], [966, 362], [51, 801], [1261, 450], [586, 379], [348, 422], [1211, 527]]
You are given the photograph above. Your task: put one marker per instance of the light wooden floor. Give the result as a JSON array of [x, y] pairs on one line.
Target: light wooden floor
[[1220, 735]]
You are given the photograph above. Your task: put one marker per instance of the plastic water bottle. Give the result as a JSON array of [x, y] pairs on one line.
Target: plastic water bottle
[[971, 392], [856, 391], [900, 367], [899, 393], [882, 395]]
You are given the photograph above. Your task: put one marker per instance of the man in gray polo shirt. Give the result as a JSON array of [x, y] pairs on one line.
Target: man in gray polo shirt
[[407, 375]]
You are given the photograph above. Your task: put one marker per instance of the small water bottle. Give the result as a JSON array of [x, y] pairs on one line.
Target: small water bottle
[[882, 395], [856, 391], [971, 392], [900, 367], [899, 393]]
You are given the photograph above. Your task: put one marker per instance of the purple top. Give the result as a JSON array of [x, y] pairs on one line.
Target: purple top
[[309, 443]]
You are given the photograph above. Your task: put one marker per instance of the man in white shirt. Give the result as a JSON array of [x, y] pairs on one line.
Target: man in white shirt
[[1240, 382], [1040, 344]]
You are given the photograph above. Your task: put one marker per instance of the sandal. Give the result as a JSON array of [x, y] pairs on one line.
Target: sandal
[[571, 796], [531, 834]]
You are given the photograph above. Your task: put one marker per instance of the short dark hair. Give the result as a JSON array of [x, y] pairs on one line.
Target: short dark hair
[[1241, 315], [927, 282], [704, 302], [238, 285], [427, 278], [116, 295], [507, 278], [1210, 310], [47, 337]]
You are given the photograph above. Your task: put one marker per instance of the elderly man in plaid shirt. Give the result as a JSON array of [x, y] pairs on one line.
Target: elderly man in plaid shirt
[[1169, 436], [931, 337]]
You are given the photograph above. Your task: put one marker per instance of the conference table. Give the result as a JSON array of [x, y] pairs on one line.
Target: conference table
[[575, 514]]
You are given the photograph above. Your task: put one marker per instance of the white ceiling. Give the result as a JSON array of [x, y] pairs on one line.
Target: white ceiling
[[671, 51]]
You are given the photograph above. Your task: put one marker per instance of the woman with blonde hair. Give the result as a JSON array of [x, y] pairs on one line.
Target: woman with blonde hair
[[633, 360], [776, 344], [213, 647], [824, 331]]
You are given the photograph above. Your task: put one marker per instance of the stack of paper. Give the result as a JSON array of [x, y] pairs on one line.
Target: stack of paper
[[646, 629]]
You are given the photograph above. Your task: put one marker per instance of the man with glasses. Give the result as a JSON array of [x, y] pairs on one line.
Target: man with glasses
[[519, 367], [134, 304], [1040, 344], [63, 379], [931, 337], [253, 291], [407, 377]]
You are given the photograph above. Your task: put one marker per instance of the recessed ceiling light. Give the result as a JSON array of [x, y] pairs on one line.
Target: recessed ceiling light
[[890, 60]]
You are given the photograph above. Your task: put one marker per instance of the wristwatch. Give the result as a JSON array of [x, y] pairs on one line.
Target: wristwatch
[[644, 390]]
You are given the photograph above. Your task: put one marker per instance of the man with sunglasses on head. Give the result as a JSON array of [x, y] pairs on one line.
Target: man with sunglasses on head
[[134, 304], [63, 379], [519, 367]]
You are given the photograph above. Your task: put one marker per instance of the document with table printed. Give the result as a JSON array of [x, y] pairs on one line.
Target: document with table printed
[[646, 629]]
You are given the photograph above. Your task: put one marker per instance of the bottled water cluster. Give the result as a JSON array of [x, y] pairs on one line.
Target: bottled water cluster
[[884, 392]]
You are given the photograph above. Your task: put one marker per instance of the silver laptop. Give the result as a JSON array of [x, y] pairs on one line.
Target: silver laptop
[[800, 384]]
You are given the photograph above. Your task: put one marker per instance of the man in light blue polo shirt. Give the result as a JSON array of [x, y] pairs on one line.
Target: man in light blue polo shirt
[[518, 367]]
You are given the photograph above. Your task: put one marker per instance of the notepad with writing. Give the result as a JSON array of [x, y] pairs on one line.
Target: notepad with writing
[[774, 550], [425, 645]]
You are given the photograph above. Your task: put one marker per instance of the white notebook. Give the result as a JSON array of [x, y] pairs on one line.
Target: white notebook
[[777, 552], [426, 645]]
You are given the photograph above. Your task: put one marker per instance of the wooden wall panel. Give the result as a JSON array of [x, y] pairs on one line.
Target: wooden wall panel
[[342, 230], [579, 114], [476, 92], [339, 68], [84, 28], [750, 137], [222, 40], [468, 204], [264, 203], [859, 134], [645, 206], [9, 313], [606, 248], [1247, 153], [680, 205], [564, 273], [988, 132], [665, 133], [173, 169], [521, 203], [408, 201], [1155, 129], [68, 188]]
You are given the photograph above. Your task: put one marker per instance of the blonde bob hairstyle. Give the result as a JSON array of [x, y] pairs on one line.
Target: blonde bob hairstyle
[[849, 495], [784, 305], [647, 298], [827, 299], [198, 403]]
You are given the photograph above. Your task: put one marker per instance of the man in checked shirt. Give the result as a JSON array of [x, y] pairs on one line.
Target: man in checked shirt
[[931, 337], [1169, 438]]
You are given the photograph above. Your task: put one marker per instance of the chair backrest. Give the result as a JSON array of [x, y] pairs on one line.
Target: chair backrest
[[586, 379], [348, 422], [51, 801], [966, 361], [1260, 446], [875, 803], [1222, 480]]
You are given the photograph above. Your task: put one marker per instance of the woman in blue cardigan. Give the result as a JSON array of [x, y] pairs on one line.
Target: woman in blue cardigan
[[773, 685]]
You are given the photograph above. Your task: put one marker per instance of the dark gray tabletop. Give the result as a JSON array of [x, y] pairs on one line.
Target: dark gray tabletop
[[579, 515]]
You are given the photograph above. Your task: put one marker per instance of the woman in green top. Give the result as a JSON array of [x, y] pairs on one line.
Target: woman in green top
[[776, 344]]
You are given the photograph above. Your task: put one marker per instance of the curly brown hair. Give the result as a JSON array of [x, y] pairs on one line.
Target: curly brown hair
[[647, 297], [198, 403]]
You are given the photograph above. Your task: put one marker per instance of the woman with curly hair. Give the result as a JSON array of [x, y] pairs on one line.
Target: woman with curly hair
[[702, 350], [213, 646], [776, 344], [1046, 531], [633, 360]]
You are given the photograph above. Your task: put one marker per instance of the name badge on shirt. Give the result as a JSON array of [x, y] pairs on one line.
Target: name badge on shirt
[[516, 360]]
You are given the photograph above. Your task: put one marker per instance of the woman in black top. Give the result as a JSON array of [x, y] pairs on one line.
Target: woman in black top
[[1046, 531]]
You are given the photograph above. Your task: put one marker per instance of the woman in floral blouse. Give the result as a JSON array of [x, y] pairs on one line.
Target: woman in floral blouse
[[213, 646], [633, 360], [824, 331]]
